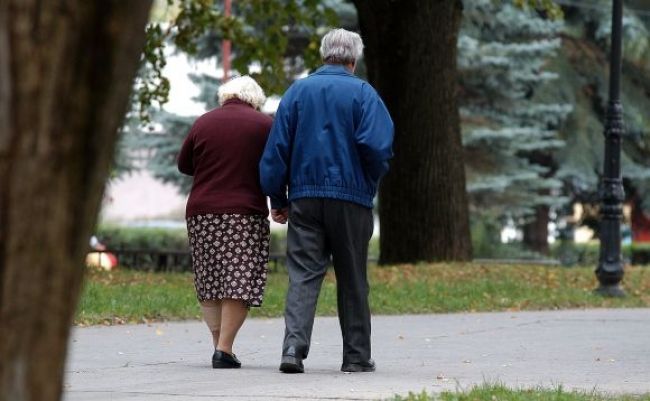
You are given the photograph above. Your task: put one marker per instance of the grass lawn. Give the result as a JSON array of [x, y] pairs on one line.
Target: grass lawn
[[500, 393], [124, 296]]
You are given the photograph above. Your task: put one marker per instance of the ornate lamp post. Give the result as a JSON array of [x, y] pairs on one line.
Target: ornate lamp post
[[610, 264]]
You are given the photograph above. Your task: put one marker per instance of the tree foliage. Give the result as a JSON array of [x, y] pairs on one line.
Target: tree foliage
[[552, 9], [508, 133], [157, 145], [583, 67], [261, 31]]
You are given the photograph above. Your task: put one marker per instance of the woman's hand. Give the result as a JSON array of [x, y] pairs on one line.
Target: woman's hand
[[280, 215]]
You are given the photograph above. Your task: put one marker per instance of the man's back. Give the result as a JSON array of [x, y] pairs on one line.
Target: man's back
[[333, 131], [330, 144]]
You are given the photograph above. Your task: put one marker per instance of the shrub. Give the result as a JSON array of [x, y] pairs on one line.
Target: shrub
[[160, 249], [148, 238], [569, 253], [486, 243]]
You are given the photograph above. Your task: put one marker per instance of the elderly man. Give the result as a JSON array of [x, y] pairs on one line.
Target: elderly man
[[330, 144]]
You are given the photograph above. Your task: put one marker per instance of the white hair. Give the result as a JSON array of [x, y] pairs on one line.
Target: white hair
[[243, 88], [339, 46]]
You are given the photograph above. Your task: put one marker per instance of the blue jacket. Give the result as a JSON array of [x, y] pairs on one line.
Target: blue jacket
[[332, 138]]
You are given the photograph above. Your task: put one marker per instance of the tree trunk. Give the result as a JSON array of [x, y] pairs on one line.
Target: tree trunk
[[66, 71], [536, 232], [411, 60]]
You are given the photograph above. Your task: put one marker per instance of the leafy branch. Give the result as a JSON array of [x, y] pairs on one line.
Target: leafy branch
[[278, 38], [552, 9]]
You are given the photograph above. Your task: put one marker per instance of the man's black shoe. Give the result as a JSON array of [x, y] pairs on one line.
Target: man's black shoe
[[224, 360], [291, 364], [368, 366]]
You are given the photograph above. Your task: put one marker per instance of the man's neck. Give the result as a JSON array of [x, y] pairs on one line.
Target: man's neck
[[350, 66]]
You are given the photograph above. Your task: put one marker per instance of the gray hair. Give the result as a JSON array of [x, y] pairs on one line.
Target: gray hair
[[339, 46], [243, 88]]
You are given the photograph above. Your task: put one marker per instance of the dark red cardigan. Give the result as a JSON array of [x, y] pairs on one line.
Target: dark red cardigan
[[222, 151]]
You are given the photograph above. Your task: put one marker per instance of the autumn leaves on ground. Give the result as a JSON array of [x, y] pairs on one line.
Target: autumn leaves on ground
[[125, 296]]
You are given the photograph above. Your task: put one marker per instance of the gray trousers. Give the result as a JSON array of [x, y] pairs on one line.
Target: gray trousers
[[320, 228]]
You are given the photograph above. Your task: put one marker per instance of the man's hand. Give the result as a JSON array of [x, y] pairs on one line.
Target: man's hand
[[280, 215]]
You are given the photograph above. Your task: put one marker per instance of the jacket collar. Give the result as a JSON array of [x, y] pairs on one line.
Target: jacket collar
[[333, 69]]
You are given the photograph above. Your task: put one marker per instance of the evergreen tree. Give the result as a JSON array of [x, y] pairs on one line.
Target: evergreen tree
[[158, 144], [508, 132], [583, 65]]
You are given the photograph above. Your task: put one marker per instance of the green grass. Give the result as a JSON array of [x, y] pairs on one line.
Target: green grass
[[128, 296], [501, 393]]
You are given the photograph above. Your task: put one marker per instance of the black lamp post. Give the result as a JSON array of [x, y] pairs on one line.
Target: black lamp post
[[610, 264]]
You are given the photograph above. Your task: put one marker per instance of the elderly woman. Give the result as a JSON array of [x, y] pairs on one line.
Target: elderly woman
[[226, 211]]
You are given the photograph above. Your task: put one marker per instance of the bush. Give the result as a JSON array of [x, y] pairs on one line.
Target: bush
[[148, 238], [373, 249], [163, 239], [486, 243], [160, 249], [278, 243], [147, 248], [569, 253]]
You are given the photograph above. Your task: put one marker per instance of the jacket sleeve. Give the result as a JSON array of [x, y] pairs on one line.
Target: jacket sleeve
[[186, 155], [374, 134], [274, 166]]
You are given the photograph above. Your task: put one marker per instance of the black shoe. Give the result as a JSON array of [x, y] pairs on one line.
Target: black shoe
[[291, 364], [368, 366], [224, 360]]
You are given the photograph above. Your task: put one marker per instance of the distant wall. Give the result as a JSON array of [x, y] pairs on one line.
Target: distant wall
[[139, 196]]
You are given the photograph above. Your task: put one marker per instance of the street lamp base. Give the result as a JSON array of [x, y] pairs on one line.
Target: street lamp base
[[610, 291]]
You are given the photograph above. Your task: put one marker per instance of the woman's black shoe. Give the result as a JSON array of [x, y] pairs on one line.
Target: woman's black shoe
[[223, 360]]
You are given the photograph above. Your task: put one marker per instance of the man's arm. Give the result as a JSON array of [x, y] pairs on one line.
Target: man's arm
[[374, 135], [274, 166]]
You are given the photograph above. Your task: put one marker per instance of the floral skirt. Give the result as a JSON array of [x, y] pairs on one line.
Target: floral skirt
[[230, 254]]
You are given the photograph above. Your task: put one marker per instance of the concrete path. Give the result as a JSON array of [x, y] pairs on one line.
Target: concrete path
[[605, 350]]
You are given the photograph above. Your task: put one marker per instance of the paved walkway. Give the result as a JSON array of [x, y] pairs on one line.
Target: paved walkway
[[605, 350]]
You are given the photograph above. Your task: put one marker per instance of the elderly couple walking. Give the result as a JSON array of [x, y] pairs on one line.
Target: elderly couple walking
[[328, 147]]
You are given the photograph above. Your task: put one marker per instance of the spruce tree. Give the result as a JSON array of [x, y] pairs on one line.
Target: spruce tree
[[507, 132], [583, 64]]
